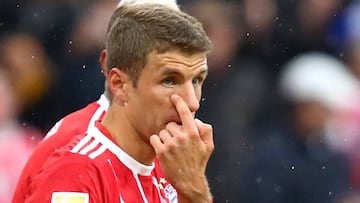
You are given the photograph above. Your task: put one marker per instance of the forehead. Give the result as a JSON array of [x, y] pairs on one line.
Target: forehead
[[178, 60]]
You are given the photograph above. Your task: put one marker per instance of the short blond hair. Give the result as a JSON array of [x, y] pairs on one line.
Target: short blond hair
[[134, 31], [169, 3]]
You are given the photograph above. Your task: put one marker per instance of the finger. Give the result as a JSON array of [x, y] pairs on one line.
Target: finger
[[165, 136], [156, 143], [200, 125], [205, 131], [184, 113], [175, 130], [173, 125]]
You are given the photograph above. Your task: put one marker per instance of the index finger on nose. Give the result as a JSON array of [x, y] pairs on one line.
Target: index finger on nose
[[184, 113]]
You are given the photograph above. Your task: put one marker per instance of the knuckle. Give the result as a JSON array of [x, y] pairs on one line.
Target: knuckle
[[194, 133], [170, 125], [212, 147], [168, 147], [209, 126], [161, 154], [171, 146], [181, 139], [162, 132]]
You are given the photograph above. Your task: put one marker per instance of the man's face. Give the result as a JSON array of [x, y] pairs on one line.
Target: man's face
[[149, 107]]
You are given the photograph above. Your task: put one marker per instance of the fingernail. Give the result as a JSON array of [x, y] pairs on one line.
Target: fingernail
[[198, 120], [174, 96]]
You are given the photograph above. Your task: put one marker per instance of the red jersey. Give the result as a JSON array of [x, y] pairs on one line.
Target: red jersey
[[61, 134], [92, 168]]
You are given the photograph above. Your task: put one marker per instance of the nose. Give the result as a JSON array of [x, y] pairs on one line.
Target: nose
[[191, 97]]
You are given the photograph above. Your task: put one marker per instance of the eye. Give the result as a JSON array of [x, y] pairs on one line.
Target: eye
[[197, 81], [170, 81]]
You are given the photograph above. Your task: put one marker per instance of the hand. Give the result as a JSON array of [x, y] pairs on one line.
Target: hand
[[183, 151]]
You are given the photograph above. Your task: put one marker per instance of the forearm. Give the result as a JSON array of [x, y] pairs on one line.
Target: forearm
[[197, 190]]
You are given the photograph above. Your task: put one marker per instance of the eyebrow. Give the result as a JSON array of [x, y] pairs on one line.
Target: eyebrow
[[174, 71], [203, 72]]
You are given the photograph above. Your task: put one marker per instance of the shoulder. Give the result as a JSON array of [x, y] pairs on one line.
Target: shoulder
[[68, 159], [82, 165], [66, 171], [76, 122]]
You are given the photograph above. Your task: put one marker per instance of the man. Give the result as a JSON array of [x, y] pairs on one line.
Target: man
[[151, 114], [73, 124]]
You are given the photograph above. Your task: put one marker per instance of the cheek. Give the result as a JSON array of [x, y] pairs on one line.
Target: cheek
[[153, 119], [160, 96], [154, 108], [159, 105]]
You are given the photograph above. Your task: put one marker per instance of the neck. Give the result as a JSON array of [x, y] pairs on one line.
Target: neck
[[127, 137]]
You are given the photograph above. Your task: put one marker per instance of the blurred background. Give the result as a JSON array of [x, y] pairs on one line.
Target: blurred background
[[283, 93]]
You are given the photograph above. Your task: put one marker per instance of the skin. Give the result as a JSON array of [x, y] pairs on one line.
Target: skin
[[157, 119]]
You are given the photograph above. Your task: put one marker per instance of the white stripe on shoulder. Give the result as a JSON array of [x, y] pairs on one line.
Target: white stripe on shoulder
[[101, 143], [81, 143], [89, 147], [97, 152]]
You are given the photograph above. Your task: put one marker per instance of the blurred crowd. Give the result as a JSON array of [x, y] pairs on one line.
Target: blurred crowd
[[283, 92]]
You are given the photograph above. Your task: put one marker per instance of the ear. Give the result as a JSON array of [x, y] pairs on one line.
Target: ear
[[102, 61], [118, 84]]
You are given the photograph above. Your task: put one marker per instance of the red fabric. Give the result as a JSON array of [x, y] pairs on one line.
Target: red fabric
[[71, 125], [109, 176], [60, 175]]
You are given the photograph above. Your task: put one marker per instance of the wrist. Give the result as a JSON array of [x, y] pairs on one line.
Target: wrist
[[195, 191], [195, 198]]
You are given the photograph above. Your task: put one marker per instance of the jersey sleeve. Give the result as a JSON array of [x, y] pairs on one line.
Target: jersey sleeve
[[71, 178]]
